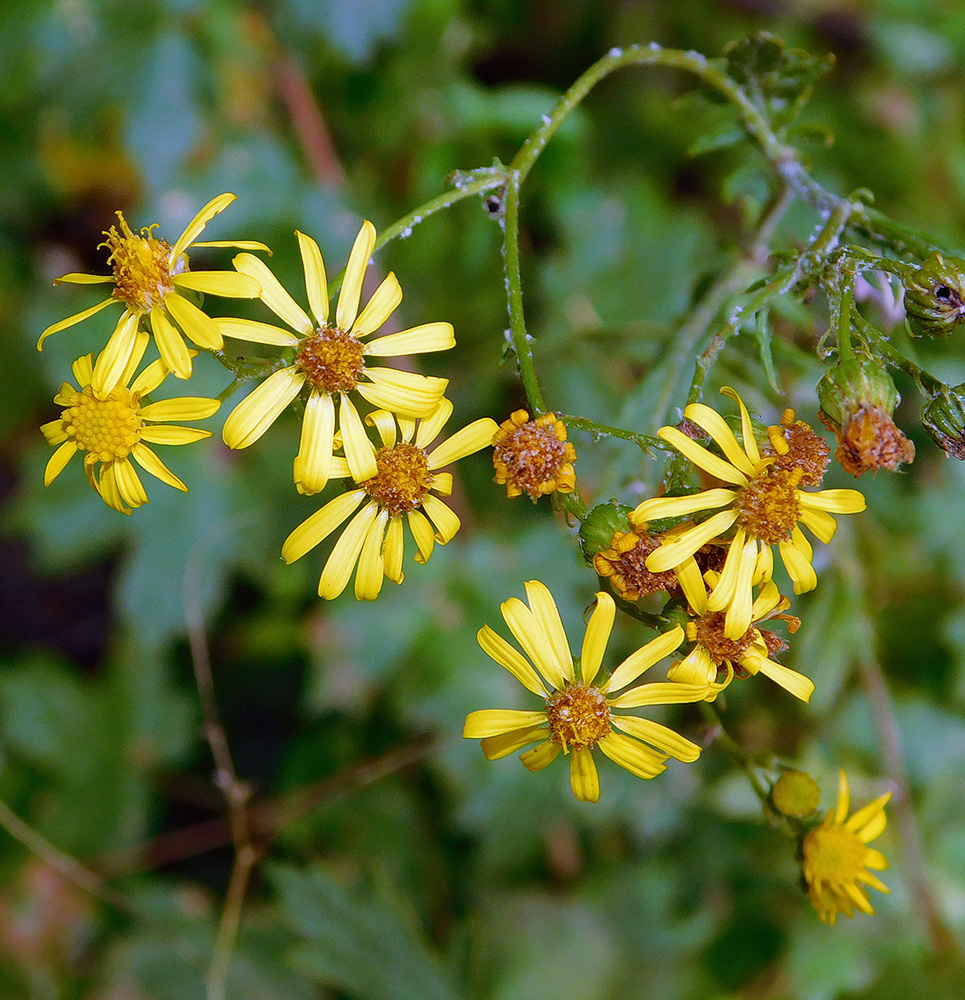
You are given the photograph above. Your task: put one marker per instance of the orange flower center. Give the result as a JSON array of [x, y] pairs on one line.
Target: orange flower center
[[403, 478], [579, 716], [768, 505], [531, 454], [833, 855], [142, 272], [332, 360], [708, 631], [624, 563], [107, 428]]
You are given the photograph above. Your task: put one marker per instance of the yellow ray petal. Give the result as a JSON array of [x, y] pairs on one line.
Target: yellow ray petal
[[345, 553], [173, 435], [723, 593], [72, 321], [636, 757], [235, 244], [149, 462], [197, 325], [737, 619], [227, 284], [797, 684], [507, 656], [358, 261], [495, 747], [715, 425], [383, 303], [747, 429], [358, 449], [198, 223], [274, 295], [659, 693], [113, 360], [83, 368], [644, 658], [404, 393], [596, 636], [424, 535], [313, 462], [798, 566], [129, 485], [659, 736], [53, 431], [541, 756], [526, 627], [584, 779], [170, 344], [431, 426], [822, 524], [692, 584], [651, 510], [58, 461], [834, 501], [547, 614], [181, 408], [696, 668], [673, 552], [260, 408], [254, 332], [371, 571], [393, 550], [316, 284], [417, 340], [701, 457], [320, 525], [467, 441], [498, 721], [76, 278], [445, 520]]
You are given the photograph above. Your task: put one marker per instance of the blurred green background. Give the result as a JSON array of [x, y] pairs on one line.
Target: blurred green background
[[422, 870]]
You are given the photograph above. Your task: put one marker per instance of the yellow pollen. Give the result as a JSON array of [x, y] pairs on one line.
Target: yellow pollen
[[107, 428], [403, 478], [332, 360], [142, 271], [833, 855], [579, 716], [769, 505]]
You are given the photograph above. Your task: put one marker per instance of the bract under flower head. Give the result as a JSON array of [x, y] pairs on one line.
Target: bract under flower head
[[763, 504], [110, 428], [406, 486], [331, 363], [837, 858], [152, 279], [577, 714]]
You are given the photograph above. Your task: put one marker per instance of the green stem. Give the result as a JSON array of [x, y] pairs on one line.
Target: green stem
[[928, 384], [844, 321], [645, 442]]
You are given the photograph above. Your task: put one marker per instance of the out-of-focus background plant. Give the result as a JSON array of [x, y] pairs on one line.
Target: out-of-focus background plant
[[397, 862]]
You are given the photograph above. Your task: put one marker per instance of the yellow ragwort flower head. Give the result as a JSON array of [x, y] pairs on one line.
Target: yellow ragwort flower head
[[330, 360], [577, 713], [111, 428], [837, 858], [715, 657], [765, 505], [405, 480], [149, 278], [533, 456]]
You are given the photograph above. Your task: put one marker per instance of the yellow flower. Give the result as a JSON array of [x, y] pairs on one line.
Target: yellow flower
[[405, 479], [837, 858], [714, 653], [766, 504], [150, 277], [112, 427], [577, 715], [330, 358], [533, 456]]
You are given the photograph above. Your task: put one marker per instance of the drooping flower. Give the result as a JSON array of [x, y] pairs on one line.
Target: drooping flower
[[765, 505], [577, 712], [150, 279], [330, 359], [534, 456], [406, 477], [111, 428], [715, 657], [837, 858]]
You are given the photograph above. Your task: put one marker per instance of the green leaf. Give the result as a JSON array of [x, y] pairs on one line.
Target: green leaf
[[358, 942]]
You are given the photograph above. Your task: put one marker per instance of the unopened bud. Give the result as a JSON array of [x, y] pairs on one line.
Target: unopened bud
[[935, 295], [601, 524], [944, 419], [796, 794]]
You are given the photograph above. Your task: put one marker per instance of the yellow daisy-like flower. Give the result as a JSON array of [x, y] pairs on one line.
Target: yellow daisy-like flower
[[112, 427], [715, 654], [406, 477], [837, 858], [765, 504], [150, 278], [533, 456], [330, 359], [577, 714]]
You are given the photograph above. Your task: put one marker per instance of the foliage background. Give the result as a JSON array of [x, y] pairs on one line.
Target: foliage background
[[447, 877]]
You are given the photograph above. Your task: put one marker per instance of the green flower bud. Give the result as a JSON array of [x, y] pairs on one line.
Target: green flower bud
[[600, 525], [944, 419], [796, 794], [935, 295]]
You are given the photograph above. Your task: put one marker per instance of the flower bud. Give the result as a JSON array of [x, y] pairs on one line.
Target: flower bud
[[796, 794], [944, 419], [601, 524], [858, 398], [935, 295]]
